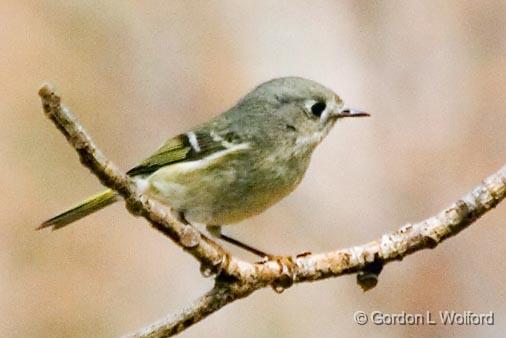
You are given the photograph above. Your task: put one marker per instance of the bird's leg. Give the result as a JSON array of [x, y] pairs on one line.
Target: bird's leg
[[181, 217], [215, 230]]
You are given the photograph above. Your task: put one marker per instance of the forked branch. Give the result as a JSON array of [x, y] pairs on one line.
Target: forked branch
[[235, 278]]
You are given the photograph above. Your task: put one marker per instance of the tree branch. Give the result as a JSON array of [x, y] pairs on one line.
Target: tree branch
[[201, 247], [219, 296], [235, 278]]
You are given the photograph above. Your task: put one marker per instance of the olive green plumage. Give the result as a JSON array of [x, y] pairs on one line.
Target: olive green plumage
[[239, 163], [88, 206]]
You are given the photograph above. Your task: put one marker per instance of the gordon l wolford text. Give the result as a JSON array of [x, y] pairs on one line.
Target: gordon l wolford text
[[446, 317]]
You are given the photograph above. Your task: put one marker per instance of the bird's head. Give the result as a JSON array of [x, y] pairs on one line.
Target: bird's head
[[307, 107]]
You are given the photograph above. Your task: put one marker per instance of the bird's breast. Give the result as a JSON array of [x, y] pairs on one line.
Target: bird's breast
[[229, 188]]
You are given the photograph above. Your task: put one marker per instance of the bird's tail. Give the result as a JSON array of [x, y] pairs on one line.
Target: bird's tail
[[90, 205]]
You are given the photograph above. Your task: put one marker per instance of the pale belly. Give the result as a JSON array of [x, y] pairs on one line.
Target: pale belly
[[224, 191]]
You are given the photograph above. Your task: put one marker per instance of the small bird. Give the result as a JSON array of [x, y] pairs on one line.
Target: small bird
[[237, 164]]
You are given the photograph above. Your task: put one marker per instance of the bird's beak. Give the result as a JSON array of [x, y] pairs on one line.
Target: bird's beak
[[350, 112]]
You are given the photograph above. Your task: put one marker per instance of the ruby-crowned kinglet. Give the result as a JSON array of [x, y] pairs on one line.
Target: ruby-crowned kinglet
[[237, 164]]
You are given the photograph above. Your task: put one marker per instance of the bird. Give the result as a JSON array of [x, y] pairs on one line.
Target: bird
[[237, 164]]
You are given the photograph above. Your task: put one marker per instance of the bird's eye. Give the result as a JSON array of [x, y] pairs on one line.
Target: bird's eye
[[317, 108]]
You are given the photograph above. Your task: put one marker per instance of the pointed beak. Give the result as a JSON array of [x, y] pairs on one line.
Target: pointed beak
[[350, 112]]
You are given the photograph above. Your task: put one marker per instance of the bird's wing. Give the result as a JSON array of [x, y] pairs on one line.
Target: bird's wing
[[185, 147]]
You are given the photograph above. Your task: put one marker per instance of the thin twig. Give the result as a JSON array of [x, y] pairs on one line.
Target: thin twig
[[223, 293], [236, 278], [189, 238]]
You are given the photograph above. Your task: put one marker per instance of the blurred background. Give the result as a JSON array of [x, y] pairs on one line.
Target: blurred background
[[432, 73]]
